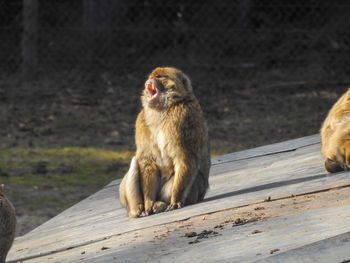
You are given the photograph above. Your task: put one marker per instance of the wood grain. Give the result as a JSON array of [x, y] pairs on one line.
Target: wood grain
[[271, 172]]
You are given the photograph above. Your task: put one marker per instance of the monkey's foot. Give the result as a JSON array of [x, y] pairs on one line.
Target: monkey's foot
[[148, 208], [174, 206], [136, 212], [332, 166], [159, 207]]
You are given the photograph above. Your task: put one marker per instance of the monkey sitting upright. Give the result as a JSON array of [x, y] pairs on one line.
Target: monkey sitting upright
[[172, 162], [7, 225], [335, 134]]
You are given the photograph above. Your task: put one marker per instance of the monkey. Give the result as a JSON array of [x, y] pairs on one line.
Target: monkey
[[172, 161], [7, 225], [335, 136]]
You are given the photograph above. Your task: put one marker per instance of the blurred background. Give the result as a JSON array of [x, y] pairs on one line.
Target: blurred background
[[72, 71]]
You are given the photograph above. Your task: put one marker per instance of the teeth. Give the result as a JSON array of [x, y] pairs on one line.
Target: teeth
[[152, 89]]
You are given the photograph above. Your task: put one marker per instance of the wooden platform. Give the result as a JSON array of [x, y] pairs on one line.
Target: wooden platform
[[268, 204]]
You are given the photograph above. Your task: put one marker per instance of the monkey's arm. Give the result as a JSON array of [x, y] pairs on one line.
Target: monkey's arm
[[186, 162], [186, 169], [149, 173]]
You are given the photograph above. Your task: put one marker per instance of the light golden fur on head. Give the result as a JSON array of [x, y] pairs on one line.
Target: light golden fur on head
[[7, 225], [335, 134], [172, 162]]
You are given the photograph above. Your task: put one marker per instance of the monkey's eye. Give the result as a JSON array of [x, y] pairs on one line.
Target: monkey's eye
[[172, 88]]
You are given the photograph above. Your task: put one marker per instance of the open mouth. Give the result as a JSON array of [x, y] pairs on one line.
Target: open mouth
[[153, 92]]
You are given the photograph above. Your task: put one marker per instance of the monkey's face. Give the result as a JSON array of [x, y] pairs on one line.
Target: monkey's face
[[165, 87]]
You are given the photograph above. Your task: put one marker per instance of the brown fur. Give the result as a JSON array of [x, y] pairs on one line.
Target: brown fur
[[335, 133], [7, 225], [172, 162]]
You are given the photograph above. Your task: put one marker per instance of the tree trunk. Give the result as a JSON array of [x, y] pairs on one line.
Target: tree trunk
[[244, 11], [29, 40]]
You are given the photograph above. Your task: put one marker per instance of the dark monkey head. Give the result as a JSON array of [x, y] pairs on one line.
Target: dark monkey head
[[166, 87]]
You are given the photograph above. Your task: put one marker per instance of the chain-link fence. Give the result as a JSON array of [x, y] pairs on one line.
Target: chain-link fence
[[98, 52], [84, 39]]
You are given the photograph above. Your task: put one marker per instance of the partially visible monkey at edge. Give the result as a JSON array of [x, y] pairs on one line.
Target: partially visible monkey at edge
[[335, 134], [7, 225], [172, 161]]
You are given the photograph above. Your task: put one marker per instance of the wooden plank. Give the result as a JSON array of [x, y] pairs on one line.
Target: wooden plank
[[234, 184], [250, 181], [225, 182], [238, 244], [98, 228], [285, 146], [219, 185], [334, 249], [156, 243], [244, 243]]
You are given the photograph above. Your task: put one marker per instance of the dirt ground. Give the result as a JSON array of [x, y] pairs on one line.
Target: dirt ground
[[268, 108]]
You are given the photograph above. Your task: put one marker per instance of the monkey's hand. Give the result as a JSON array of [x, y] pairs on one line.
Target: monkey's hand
[[137, 212], [174, 206]]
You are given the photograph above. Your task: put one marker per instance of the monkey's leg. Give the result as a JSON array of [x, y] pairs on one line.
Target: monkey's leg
[[129, 190], [150, 183], [198, 189], [193, 194], [185, 174]]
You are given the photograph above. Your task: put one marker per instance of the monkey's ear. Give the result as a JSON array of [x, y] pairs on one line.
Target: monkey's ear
[[2, 186]]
